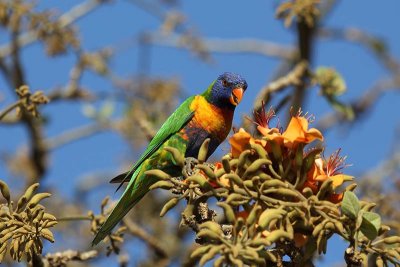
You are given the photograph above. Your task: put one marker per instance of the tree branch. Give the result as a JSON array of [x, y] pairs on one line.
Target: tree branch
[[153, 242], [65, 20]]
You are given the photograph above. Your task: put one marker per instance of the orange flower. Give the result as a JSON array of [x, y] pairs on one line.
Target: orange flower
[[223, 180], [332, 169], [317, 170], [271, 134], [262, 120], [336, 198], [298, 132], [240, 142]]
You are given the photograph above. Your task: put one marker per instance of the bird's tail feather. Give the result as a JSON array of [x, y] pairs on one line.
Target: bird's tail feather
[[124, 205]]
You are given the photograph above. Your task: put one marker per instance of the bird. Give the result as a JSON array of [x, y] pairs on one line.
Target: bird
[[208, 115]]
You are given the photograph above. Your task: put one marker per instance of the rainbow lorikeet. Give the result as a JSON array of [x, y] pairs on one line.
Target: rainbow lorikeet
[[208, 115]]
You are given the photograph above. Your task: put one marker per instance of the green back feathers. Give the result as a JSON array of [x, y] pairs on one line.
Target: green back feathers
[[173, 124]]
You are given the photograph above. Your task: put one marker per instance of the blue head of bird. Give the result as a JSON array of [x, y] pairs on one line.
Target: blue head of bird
[[227, 90]]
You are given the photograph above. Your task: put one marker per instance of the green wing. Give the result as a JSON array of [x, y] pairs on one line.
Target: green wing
[[136, 189], [173, 124]]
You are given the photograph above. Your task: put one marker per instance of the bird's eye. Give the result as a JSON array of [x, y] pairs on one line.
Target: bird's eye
[[224, 83]]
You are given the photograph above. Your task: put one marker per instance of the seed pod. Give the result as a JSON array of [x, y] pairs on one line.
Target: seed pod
[[219, 172], [169, 205], [213, 226], [276, 235], [234, 261], [161, 184], [383, 229], [6, 236], [48, 216], [393, 253], [268, 215], [177, 155], [391, 240], [307, 192], [338, 225], [321, 244], [260, 241], [49, 224], [256, 166], [234, 197], [30, 191], [253, 214], [250, 253], [201, 250], [248, 184], [275, 183], [351, 187], [265, 177], [260, 150], [37, 198], [233, 163], [289, 228], [159, 174], [229, 213], [368, 206], [319, 227], [219, 261], [200, 180], [234, 178], [208, 234], [5, 191], [243, 159], [47, 234], [214, 250], [225, 163], [203, 151], [208, 171], [325, 188], [379, 262]]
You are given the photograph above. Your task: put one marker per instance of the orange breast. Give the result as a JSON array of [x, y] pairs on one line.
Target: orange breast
[[213, 119]]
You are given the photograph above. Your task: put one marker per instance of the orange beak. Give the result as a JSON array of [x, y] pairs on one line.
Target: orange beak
[[236, 96]]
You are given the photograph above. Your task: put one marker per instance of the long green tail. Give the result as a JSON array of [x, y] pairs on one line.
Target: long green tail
[[133, 193]]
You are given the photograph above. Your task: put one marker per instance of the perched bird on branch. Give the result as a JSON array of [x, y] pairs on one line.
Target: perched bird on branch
[[208, 115]]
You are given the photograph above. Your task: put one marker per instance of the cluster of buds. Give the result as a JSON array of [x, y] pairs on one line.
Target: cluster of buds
[[23, 227], [30, 102]]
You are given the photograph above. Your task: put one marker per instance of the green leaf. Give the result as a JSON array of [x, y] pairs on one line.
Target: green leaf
[[350, 205], [370, 225]]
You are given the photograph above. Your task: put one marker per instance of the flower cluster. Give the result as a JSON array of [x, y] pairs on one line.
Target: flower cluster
[[279, 198], [286, 149]]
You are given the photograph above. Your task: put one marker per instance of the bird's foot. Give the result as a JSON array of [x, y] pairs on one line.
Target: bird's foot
[[189, 167]]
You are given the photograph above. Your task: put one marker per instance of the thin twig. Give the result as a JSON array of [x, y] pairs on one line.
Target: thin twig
[[64, 20], [218, 45], [292, 78], [9, 108], [361, 105], [153, 242], [76, 134]]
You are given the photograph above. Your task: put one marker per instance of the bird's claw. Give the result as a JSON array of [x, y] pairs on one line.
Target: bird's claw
[[189, 167]]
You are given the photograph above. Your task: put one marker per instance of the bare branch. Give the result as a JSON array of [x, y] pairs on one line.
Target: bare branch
[[218, 45], [76, 134], [9, 109], [153, 242], [65, 20], [374, 43], [361, 105], [292, 78]]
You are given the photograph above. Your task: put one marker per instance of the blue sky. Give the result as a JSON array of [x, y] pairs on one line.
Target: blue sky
[[367, 143]]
